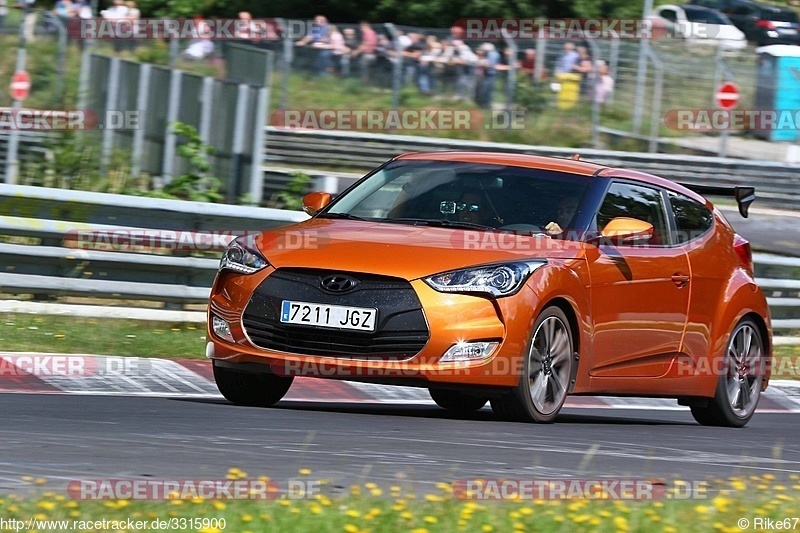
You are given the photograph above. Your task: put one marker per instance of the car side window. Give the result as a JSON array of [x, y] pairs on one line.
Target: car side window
[[691, 218], [635, 201], [670, 15]]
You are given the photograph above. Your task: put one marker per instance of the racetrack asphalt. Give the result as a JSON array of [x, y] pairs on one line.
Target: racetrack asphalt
[[64, 437]]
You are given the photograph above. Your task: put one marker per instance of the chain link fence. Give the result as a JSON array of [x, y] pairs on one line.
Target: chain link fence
[[618, 97]]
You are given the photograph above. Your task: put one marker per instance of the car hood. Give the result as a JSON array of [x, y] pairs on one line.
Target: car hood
[[400, 250]]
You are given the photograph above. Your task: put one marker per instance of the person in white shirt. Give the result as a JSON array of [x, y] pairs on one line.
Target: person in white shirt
[[604, 84]]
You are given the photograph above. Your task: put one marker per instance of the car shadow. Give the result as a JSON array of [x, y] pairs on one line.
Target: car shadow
[[603, 416]]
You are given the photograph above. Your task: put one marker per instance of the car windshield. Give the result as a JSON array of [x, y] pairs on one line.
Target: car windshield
[[465, 195], [705, 15]]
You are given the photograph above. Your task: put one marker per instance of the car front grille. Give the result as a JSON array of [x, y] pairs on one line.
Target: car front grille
[[400, 333]]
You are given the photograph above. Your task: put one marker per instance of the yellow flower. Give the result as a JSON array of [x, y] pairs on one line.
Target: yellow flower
[[702, 509], [376, 492], [47, 506], [353, 513], [406, 515], [527, 511], [247, 518], [721, 503], [315, 508], [350, 528], [285, 503], [218, 505], [486, 528], [433, 498], [431, 519], [419, 530]]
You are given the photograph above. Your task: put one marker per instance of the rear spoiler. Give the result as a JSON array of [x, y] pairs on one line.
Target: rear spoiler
[[744, 195]]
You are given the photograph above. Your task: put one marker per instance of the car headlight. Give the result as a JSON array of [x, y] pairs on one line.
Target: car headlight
[[242, 259], [496, 280]]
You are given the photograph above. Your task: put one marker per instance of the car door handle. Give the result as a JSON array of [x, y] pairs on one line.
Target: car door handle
[[680, 280]]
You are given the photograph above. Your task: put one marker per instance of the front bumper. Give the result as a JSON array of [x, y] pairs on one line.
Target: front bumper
[[450, 318]]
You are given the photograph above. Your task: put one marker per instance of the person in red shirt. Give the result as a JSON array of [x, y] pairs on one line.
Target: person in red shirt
[[366, 51]]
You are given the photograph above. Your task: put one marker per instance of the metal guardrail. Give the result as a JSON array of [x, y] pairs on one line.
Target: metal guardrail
[[777, 183], [54, 266]]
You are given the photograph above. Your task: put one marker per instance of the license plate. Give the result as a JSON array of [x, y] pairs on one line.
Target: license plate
[[328, 316]]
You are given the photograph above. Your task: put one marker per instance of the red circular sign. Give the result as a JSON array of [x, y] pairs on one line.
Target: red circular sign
[[727, 95], [20, 85]]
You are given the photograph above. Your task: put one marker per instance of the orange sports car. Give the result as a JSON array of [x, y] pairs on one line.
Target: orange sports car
[[512, 279]]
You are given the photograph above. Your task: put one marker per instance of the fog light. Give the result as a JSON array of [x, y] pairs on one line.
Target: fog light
[[221, 329], [468, 351]]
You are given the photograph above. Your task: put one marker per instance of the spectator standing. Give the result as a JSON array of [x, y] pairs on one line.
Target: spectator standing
[[585, 68], [351, 42], [463, 59], [485, 72], [201, 47], [528, 63], [428, 62], [29, 22], [411, 54], [116, 13], [605, 83], [319, 39], [366, 50], [567, 60], [339, 49]]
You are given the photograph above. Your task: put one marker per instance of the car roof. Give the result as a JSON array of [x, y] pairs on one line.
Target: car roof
[[557, 164]]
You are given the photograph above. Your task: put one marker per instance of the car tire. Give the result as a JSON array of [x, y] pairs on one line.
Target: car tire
[[252, 390], [739, 385], [457, 401], [547, 372]]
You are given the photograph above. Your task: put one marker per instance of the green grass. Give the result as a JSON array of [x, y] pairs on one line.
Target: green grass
[[370, 508], [103, 336]]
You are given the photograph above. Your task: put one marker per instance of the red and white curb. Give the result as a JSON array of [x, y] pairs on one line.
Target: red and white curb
[[192, 378]]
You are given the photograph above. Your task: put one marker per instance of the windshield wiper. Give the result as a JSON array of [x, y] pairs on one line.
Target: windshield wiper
[[440, 223], [345, 216]]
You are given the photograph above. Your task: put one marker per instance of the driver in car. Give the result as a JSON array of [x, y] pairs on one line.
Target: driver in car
[[565, 214]]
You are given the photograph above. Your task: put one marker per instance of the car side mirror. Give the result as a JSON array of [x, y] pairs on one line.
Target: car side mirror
[[624, 230], [314, 202]]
